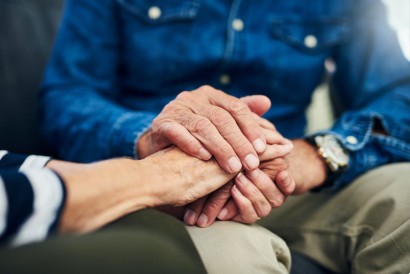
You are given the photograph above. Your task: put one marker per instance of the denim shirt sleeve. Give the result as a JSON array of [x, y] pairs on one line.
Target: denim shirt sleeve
[[373, 81], [81, 112]]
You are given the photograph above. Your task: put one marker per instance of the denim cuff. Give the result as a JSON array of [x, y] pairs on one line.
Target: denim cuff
[[367, 150], [126, 132]]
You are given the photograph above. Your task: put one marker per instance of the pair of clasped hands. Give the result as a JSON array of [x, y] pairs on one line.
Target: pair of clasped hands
[[207, 123]]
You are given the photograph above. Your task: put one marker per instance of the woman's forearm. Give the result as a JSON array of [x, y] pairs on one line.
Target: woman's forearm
[[97, 194], [102, 192]]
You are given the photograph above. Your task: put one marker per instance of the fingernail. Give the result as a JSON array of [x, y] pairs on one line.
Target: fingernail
[[259, 145], [204, 154], [202, 220], [253, 173], [286, 180], [189, 217], [289, 142], [251, 161], [242, 179], [222, 214], [236, 190], [288, 147], [234, 164]]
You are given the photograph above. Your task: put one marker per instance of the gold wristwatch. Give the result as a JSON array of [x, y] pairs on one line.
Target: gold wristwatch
[[333, 154], [336, 158]]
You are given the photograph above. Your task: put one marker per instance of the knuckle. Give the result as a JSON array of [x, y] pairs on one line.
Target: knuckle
[[206, 88], [183, 95], [265, 211], [171, 106], [220, 118], [239, 107], [160, 125], [199, 125], [167, 130], [170, 133], [277, 201]]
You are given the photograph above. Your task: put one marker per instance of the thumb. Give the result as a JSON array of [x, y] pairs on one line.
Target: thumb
[[258, 104]]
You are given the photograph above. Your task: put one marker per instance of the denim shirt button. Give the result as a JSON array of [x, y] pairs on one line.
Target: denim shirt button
[[310, 41], [237, 24], [154, 12], [224, 79], [351, 140]]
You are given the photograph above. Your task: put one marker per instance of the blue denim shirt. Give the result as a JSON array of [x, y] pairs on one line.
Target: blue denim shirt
[[117, 63]]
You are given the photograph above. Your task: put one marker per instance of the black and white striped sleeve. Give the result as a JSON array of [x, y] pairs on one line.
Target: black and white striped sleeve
[[31, 198]]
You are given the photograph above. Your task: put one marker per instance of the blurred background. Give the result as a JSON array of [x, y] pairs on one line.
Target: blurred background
[[399, 17], [320, 115]]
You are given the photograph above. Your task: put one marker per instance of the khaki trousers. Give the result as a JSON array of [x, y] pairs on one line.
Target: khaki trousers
[[364, 228], [229, 247]]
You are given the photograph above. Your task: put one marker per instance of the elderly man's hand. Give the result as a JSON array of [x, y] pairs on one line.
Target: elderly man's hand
[[251, 195], [207, 122], [304, 163], [298, 172]]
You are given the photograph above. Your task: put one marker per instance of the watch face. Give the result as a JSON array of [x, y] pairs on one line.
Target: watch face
[[334, 151]]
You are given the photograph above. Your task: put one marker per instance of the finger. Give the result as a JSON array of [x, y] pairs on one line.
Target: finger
[[258, 104], [276, 151], [278, 146], [271, 134], [264, 123], [193, 211], [214, 205], [229, 211], [230, 131], [243, 116], [250, 191], [274, 137], [285, 182], [267, 187], [247, 213], [206, 132], [182, 138]]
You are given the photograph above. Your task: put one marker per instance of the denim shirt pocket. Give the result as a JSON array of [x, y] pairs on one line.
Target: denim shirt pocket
[[310, 35], [161, 11]]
